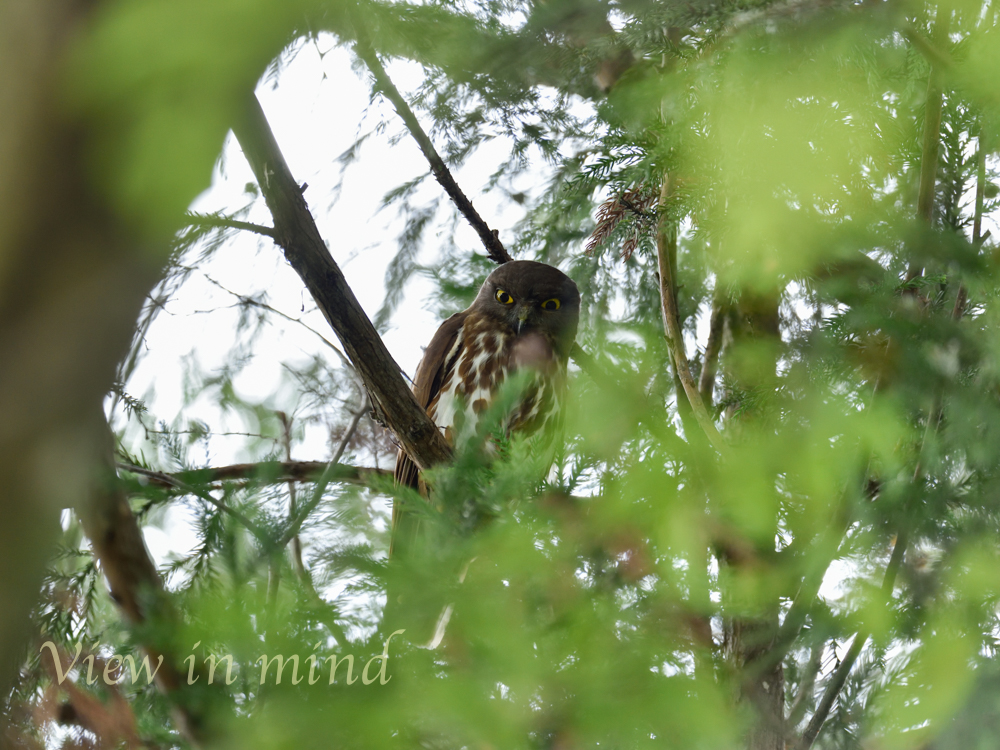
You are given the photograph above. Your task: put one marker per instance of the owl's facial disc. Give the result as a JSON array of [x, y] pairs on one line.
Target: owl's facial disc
[[530, 297]]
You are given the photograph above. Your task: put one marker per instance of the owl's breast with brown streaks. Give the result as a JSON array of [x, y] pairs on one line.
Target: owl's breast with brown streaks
[[476, 366]]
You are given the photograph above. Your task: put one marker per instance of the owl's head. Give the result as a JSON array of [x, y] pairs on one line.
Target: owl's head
[[535, 298]]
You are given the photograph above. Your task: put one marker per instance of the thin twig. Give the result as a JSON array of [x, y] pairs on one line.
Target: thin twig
[[244, 299], [839, 678], [675, 337], [286, 433], [214, 220], [961, 297], [489, 237], [977, 221], [325, 478], [227, 433], [190, 489]]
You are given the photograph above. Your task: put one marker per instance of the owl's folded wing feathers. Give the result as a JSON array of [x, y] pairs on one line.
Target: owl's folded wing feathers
[[431, 373]]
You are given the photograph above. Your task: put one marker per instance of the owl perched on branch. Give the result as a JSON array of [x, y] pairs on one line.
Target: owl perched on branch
[[524, 318]]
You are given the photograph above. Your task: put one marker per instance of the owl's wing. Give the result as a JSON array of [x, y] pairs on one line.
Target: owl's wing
[[430, 374]]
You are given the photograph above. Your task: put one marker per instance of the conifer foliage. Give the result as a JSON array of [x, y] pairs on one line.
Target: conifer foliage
[[771, 517]]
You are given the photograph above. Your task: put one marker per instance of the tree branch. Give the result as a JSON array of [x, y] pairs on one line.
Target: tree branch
[[325, 478], [977, 221], [191, 489], [586, 362], [675, 337], [269, 472], [962, 297], [806, 685], [296, 233], [136, 587], [213, 220], [76, 272], [490, 238], [926, 48], [822, 553], [713, 347], [286, 434], [839, 678], [932, 137], [932, 128]]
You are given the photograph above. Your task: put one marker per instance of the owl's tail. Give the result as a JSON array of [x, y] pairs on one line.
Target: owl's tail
[[405, 526]]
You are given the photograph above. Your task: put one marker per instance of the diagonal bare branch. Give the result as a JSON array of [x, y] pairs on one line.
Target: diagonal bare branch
[[489, 237], [931, 136], [713, 347], [136, 587], [296, 233]]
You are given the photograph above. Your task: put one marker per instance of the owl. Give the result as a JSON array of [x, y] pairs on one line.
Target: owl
[[523, 319]]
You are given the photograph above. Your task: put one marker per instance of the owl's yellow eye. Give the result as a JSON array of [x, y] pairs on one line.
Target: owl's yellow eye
[[503, 298], [550, 304]]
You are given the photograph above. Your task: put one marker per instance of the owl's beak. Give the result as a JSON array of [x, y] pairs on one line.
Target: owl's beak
[[522, 315]]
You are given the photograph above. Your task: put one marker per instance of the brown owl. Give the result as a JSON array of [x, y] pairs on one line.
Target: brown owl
[[524, 317]]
